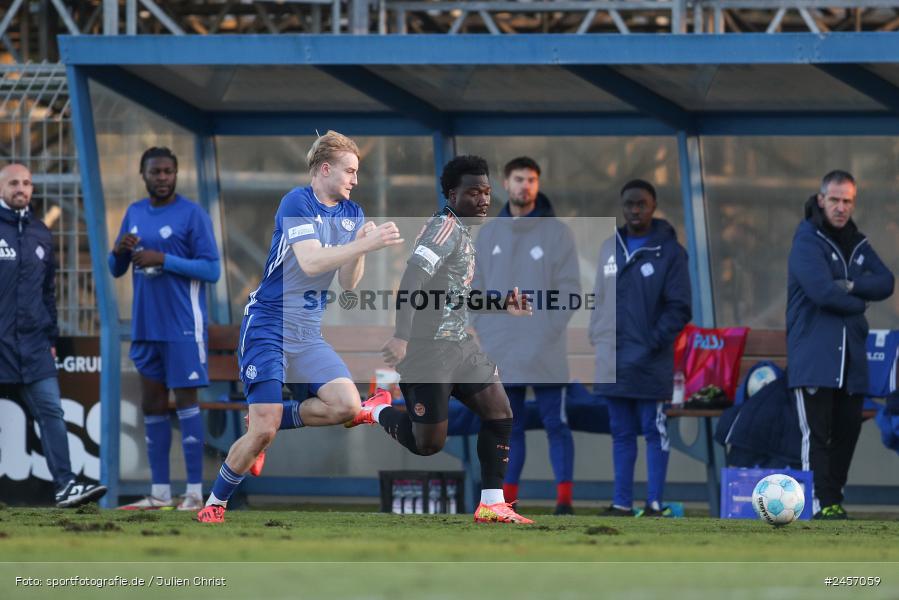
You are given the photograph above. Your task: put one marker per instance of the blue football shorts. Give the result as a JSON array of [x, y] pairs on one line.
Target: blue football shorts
[[176, 364]]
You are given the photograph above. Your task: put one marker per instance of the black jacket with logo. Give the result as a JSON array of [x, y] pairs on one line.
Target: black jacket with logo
[[27, 299]]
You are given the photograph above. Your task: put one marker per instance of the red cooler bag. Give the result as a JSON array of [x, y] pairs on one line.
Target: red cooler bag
[[710, 356]]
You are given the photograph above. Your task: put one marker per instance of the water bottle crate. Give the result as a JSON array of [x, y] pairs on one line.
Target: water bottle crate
[[422, 492]]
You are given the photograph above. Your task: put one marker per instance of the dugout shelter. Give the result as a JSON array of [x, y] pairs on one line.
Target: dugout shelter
[[454, 94]]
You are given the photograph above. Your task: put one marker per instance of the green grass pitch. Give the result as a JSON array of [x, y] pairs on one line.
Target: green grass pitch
[[305, 553]]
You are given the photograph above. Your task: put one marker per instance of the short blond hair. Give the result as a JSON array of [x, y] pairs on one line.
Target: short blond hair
[[326, 147]]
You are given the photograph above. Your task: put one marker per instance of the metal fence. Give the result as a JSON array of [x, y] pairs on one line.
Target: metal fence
[[35, 130], [28, 27]]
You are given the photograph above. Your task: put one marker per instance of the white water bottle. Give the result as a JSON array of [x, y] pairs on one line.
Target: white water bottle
[[677, 397], [153, 271]]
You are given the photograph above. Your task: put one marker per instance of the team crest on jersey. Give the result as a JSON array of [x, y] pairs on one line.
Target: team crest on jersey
[[860, 260], [647, 269], [165, 232], [610, 269], [40, 252], [536, 252], [6, 253], [251, 372], [833, 256], [348, 224]]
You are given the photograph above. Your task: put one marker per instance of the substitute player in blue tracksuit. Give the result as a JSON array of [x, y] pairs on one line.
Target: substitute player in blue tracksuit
[[833, 273], [168, 242], [633, 331], [529, 247], [319, 233]]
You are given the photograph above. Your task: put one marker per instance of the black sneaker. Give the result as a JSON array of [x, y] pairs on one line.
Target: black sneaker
[[77, 493], [563, 509], [615, 511]]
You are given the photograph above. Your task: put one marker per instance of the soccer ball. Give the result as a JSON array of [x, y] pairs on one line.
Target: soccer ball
[[759, 379], [778, 499]]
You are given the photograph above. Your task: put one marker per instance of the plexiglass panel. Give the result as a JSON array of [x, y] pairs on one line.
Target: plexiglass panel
[[756, 188], [124, 131], [396, 179]]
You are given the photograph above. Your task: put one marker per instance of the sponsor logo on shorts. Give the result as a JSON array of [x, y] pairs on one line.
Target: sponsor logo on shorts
[[305, 229], [133, 229], [251, 372], [419, 409], [193, 376], [348, 224]]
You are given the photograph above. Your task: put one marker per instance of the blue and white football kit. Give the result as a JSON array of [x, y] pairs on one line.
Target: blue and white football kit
[[168, 326], [168, 316], [280, 337]]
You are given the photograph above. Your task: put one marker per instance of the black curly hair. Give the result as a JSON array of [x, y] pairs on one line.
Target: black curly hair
[[157, 152], [455, 169]]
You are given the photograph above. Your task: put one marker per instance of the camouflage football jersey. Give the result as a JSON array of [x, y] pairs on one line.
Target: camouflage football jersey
[[445, 251]]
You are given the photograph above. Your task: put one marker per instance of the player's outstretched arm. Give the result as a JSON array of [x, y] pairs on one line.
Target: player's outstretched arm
[[315, 260]]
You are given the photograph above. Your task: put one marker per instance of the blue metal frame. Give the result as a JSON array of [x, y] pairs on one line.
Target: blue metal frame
[[639, 96], [533, 49], [387, 93], [444, 151], [142, 92], [865, 82], [693, 195], [110, 340], [211, 200]]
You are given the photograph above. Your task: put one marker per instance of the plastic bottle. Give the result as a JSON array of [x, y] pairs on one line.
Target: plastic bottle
[[677, 397], [397, 497], [153, 271], [434, 504], [451, 497], [418, 500]]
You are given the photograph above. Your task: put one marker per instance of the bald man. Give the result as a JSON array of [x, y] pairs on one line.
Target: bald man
[[28, 329]]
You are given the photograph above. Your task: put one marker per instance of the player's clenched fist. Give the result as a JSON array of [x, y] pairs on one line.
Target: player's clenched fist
[[125, 244], [386, 234]]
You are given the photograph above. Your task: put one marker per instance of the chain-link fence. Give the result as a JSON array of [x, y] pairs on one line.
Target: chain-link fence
[[36, 130]]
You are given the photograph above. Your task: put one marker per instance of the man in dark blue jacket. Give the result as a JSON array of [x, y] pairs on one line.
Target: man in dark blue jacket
[[833, 274], [642, 304], [527, 246], [28, 329]]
